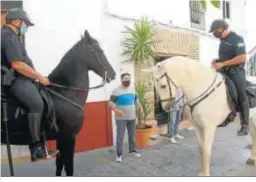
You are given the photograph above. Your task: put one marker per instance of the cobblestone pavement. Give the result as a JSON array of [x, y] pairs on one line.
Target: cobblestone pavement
[[163, 159]]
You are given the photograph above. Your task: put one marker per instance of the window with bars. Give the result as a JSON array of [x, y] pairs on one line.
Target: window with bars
[[226, 9], [197, 15], [251, 66]]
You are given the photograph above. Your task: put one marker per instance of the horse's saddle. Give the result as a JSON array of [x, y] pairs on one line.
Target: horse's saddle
[[232, 97], [232, 94], [16, 116]]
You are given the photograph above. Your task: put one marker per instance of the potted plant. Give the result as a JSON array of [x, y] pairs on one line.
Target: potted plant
[[138, 47], [143, 130]]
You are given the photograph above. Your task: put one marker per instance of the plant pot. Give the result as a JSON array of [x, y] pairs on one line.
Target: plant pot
[[143, 136]]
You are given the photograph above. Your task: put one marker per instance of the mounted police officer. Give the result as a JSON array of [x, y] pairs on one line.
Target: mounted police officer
[[24, 87], [232, 57]]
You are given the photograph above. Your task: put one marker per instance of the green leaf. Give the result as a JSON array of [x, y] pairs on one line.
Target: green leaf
[[141, 90], [138, 44], [203, 3], [215, 3]]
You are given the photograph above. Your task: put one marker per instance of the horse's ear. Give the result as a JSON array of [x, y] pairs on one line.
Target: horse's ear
[[86, 34]]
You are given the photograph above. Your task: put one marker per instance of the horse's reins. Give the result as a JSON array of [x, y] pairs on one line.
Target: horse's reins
[[188, 103], [78, 89]]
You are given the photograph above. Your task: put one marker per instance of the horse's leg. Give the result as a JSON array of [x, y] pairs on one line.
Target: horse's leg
[[66, 144], [59, 158], [199, 135], [68, 157], [208, 137], [252, 128]]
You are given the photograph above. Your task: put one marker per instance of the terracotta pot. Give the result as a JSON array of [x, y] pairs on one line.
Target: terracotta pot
[[143, 137]]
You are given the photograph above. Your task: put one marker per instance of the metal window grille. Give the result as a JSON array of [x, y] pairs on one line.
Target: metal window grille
[[197, 15], [251, 66], [226, 9]]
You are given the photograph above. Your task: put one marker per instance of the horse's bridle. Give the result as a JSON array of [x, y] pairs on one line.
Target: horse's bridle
[[202, 96], [79, 89], [90, 88]]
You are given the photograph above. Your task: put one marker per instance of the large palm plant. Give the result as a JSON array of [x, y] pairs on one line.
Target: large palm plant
[[138, 43]]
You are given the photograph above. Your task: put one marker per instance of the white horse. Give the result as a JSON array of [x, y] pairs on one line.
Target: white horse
[[198, 81]]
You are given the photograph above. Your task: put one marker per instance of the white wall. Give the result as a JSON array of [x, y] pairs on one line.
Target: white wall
[[178, 12], [250, 25], [208, 50], [58, 26]]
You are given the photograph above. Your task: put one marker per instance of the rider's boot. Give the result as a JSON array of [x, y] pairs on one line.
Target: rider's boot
[[243, 131], [36, 149], [244, 119], [231, 117]]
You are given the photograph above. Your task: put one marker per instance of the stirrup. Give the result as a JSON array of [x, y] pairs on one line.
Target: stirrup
[[50, 154]]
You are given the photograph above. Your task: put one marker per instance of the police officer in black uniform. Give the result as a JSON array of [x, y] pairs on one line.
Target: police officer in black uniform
[[232, 57], [24, 87]]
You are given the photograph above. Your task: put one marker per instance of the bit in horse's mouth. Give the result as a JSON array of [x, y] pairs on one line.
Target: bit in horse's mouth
[[108, 79]]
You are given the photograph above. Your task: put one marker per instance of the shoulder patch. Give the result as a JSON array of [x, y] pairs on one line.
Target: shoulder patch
[[240, 44]]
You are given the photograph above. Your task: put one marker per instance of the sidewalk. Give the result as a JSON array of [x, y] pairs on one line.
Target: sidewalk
[[162, 159]]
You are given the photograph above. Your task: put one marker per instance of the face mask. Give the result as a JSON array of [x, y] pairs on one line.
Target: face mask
[[126, 83], [217, 34], [23, 29]]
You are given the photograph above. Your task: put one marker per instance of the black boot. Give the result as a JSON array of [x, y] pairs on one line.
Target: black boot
[[36, 149], [231, 117], [243, 131]]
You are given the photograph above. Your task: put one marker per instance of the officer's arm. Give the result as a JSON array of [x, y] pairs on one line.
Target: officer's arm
[[16, 59], [240, 51], [25, 69]]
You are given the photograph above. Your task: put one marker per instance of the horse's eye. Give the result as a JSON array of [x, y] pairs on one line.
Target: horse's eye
[[163, 86]]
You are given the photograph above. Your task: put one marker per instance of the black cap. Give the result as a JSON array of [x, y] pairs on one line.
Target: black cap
[[18, 13], [220, 23]]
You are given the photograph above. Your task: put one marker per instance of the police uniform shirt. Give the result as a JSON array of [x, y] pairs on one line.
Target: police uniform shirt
[[231, 46], [12, 49]]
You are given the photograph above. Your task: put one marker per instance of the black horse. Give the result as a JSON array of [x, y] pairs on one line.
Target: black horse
[[68, 93]]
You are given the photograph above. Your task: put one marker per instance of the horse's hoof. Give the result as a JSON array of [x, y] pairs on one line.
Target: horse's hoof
[[250, 162], [201, 174]]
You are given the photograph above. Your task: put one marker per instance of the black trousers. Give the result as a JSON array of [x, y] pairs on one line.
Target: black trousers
[[237, 75], [28, 94]]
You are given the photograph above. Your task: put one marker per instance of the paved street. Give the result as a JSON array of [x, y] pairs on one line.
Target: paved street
[[163, 159]]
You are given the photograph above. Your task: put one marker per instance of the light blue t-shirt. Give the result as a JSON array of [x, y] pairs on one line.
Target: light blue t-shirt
[[125, 100]]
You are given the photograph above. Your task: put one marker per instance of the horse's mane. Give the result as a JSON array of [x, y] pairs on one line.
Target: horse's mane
[[177, 58], [185, 62]]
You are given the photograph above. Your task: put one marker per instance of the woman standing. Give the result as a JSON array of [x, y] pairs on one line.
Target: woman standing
[[175, 116]]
